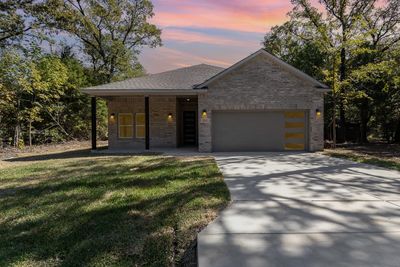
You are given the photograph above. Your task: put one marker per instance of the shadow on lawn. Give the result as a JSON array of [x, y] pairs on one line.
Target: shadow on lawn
[[108, 212], [82, 153]]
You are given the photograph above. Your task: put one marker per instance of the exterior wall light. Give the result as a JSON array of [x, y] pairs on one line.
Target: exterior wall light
[[112, 116], [204, 113], [169, 117], [318, 112]]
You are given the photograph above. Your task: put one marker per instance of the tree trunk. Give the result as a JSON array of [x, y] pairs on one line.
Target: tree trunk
[[16, 135], [397, 133], [343, 69], [334, 124], [30, 133], [343, 123], [364, 118]]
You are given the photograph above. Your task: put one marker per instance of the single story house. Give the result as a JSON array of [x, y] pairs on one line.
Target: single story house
[[259, 104]]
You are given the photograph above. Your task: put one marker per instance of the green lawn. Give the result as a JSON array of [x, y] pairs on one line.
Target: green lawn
[[74, 209], [385, 162]]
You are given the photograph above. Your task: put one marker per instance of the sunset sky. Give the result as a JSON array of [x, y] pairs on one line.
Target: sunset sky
[[216, 32]]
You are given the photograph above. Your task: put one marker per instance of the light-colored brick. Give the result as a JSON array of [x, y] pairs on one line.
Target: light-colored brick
[[262, 85], [258, 85], [162, 131]]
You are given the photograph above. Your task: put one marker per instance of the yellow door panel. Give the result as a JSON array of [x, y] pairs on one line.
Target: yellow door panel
[[291, 115], [294, 125], [294, 146], [294, 135]]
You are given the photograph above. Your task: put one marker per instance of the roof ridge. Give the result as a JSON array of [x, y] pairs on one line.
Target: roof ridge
[[187, 67]]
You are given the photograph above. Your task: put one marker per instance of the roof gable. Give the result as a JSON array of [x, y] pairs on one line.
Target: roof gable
[[273, 59]]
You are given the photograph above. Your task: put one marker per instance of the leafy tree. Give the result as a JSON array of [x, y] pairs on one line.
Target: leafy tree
[[76, 105], [16, 20], [48, 76], [31, 89], [375, 91], [356, 40], [112, 32], [337, 27], [297, 46], [13, 72], [40, 97]]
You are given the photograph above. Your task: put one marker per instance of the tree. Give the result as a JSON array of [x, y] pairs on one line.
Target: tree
[[16, 19], [112, 32], [337, 26], [76, 107], [47, 77], [13, 73], [296, 44], [31, 89], [350, 36], [381, 36]]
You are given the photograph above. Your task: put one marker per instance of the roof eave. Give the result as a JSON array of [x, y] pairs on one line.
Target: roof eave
[[324, 89], [124, 92]]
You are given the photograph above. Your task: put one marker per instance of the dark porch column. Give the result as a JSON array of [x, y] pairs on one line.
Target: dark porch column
[[147, 123], [94, 119]]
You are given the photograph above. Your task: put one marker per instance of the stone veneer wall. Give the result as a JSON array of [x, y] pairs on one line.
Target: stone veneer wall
[[260, 84], [162, 130]]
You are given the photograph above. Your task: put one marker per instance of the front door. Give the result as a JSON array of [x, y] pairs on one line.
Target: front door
[[189, 134]]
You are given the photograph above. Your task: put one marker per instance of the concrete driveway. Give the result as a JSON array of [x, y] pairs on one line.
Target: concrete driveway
[[304, 209]]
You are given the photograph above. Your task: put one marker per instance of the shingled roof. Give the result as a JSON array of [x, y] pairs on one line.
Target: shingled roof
[[179, 79], [183, 81]]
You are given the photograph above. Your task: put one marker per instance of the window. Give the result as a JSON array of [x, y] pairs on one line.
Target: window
[[140, 125], [125, 125]]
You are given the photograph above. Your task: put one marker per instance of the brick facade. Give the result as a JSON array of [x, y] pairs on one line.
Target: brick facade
[[162, 129], [261, 85]]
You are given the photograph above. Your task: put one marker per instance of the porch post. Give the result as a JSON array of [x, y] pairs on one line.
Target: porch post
[[94, 119], [147, 123]]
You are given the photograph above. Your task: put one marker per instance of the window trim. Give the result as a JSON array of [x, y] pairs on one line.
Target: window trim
[[124, 125], [142, 125]]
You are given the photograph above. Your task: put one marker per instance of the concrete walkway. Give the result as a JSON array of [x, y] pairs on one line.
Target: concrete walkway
[[304, 209]]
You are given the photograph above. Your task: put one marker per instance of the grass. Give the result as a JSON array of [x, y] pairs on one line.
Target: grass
[[385, 162], [79, 209]]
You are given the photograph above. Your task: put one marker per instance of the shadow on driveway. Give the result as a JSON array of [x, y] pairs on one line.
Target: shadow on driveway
[[304, 210]]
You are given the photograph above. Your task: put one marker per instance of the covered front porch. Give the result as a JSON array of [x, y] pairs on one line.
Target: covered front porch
[[140, 123]]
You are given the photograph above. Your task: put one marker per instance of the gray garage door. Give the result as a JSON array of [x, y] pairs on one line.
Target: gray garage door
[[259, 131]]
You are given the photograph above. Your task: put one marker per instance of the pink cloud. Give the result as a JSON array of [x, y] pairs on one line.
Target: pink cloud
[[195, 37], [248, 16]]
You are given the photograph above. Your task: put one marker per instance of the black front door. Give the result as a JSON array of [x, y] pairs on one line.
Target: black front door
[[189, 128]]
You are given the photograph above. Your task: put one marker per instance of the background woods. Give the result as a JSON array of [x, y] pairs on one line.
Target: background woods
[[353, 46], [41, 76]]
